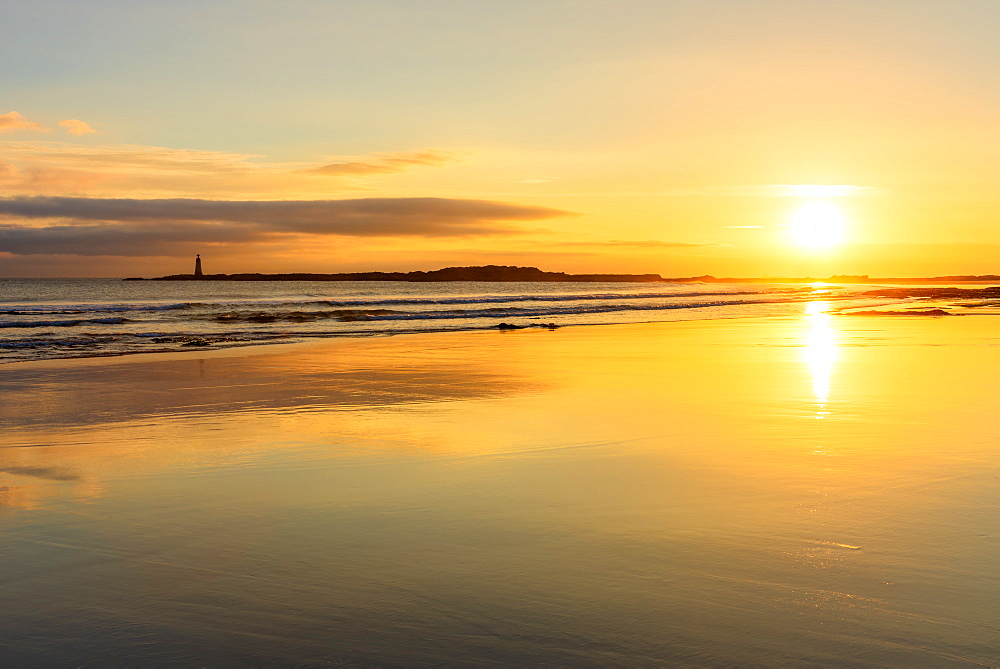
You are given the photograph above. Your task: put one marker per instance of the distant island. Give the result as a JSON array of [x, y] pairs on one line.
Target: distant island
[[510, 273], [484, 273]]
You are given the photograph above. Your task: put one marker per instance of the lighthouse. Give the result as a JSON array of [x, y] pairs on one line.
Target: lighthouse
[[197, 265]]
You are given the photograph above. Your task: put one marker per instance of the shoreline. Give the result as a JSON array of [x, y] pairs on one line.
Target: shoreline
[[306, 341], [246, 349], [65, 321], [251, 349], [265, 346]]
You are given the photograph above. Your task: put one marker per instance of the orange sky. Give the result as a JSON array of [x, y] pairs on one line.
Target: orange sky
[[576, 136]]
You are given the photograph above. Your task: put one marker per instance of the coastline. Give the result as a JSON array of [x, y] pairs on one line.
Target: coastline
[[629, 494], [305, 344]]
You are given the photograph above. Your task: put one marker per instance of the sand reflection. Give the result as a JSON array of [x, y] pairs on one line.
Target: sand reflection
[[349, 375], [77, 424], [526, 498], [820, 352]]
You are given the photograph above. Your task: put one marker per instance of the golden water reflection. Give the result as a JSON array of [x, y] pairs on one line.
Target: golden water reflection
[[820, 352], [278, 506]]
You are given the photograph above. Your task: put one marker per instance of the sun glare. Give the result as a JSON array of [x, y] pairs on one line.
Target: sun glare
[[818, 224]]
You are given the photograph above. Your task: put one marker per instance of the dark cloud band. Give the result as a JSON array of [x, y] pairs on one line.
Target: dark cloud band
[[91, 226]]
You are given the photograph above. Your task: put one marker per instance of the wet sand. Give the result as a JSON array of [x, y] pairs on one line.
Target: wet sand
[[818, 490]]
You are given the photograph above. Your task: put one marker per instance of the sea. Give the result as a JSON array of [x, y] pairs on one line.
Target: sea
[[779, 484], [70, 318]]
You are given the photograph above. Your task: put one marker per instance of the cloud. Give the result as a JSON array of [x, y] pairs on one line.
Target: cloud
[[775, 190], [43, 177], [152, 160], [766, 190], [65, 168], [76, 127], [110, 170], [117, 239], [12, 121], [641, 243], [382, 164], [94, 226]]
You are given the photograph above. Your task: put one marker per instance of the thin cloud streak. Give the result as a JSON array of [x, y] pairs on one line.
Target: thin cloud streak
[[768, 190], [384, 164], [134, 156], [109, 170], [641, 243]]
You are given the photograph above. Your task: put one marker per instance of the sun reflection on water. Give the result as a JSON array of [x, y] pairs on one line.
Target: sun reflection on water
[[820, 352]]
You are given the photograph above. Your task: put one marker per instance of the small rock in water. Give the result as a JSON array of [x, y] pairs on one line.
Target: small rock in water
[[197, 342], [511, 326]]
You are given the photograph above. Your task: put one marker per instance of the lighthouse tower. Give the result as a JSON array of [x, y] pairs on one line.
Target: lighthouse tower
[[197, 265]]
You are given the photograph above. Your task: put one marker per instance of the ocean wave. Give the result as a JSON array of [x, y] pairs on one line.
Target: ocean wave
[[109, 321], [63, 324], [506, 299], [69, 309], [518, 312], [345, 315], [367, 303], [351, 315]]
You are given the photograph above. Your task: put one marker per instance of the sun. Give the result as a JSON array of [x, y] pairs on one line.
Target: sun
[[818, 224]]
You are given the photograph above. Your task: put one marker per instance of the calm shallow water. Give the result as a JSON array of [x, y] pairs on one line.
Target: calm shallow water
[[817, 490]]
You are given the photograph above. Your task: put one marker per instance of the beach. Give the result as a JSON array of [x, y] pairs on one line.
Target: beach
[[817, 489]]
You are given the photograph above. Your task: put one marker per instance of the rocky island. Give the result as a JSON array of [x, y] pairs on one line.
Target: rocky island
[[498, 273]]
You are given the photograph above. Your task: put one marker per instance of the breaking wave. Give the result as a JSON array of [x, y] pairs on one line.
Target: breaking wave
[[106, 317]]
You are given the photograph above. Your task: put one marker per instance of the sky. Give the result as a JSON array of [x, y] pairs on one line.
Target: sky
[[676, 137]]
